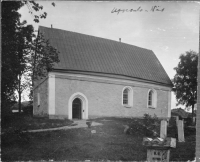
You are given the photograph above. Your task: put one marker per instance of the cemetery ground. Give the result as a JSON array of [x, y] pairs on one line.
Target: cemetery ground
[[108, 143]]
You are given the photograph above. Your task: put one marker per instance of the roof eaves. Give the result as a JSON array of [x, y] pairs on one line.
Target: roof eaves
[[89, 72]]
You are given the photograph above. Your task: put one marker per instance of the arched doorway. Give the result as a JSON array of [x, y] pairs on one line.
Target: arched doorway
[[76, 109], [79, 100]]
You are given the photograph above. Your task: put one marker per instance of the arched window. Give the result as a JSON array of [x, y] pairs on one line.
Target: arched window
[[127, 97], [152, 99]]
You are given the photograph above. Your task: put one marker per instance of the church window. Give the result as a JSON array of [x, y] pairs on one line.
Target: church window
[[127, 97], [152, 99]]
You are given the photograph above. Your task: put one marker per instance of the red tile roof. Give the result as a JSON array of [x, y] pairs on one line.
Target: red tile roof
[[93, 54]]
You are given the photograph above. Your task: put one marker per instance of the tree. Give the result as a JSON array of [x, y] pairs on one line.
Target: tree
[[41, 59], [10, 20], [11, 44], [25, 34], [185, 80]]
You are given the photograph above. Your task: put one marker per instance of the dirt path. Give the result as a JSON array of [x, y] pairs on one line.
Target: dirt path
[[76, 124]]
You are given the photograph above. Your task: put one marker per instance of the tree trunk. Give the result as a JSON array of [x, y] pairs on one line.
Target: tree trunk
[[20, 102], [193, 120], [19, 93], [34, 62]]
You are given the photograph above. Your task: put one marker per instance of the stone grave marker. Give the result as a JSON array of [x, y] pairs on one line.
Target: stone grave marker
[[163, 129], [180, 131], [177, 119]]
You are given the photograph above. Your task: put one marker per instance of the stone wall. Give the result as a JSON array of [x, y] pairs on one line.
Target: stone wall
[[105, 96]]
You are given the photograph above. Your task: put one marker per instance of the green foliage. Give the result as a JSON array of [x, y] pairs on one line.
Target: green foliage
[[172, 130], [147, 127], [25, 35], [28, 110], [34, 8], [152, 123], [41, 59], [17, 44], [185, 80], [10, 23]]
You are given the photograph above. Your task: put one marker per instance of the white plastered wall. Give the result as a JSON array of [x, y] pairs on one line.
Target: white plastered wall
[[51, 96]]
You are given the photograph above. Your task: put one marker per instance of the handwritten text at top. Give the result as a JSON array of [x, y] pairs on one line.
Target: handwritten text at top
[[139, 9]]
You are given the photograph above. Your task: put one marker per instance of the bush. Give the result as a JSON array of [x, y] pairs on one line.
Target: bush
[[148, 126], [188, 131], [172, 130], [189, 121], [28, 110], [152, 125]]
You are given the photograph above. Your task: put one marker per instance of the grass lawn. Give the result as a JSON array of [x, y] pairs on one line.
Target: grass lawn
[[108, 143], [24, 122]]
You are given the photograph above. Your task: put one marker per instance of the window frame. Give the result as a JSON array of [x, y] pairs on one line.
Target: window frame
[[153, 98], [129, 99]]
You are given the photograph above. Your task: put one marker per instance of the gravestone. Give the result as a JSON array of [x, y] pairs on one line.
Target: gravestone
[[158, 149], [163, 129], [194, 119], [177, 119], [154, 155], [180, 131]]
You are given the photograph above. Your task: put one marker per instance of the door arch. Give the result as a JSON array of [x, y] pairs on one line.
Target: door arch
[[78, 97]]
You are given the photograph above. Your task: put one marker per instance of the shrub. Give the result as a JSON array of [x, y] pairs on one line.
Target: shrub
[[152, 125], [148, 126], [28, 110], [189, 121], [172, 128], [188, 131]]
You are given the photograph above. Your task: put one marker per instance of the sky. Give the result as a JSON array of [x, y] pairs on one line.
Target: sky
[[169, 31]]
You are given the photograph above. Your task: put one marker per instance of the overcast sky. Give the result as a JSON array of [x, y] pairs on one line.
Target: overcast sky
[[168, 31]]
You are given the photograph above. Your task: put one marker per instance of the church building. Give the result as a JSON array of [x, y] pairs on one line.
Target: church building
[[98, 77]]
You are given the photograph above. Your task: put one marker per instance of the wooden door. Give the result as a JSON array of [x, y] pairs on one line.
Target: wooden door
[[76, 109]]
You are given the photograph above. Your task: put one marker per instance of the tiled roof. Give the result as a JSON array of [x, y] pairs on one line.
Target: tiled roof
[[93, 54]]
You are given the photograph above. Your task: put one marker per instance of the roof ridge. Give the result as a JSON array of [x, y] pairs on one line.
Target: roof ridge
[[94, 37]]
